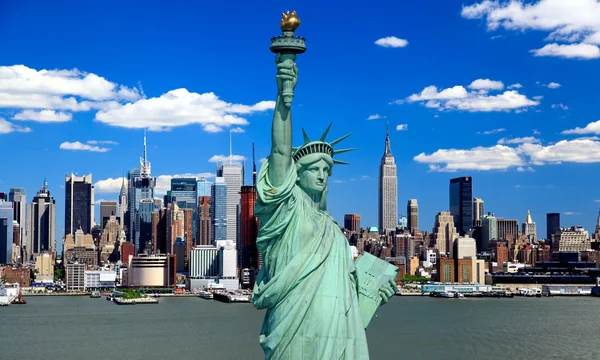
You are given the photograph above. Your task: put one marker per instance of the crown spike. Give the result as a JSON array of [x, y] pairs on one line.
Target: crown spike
[[326, 132], [306, 139], [334, 142], [343, 150], [340, 162]]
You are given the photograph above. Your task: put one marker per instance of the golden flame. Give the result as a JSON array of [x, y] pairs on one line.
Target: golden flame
[[289, 21]]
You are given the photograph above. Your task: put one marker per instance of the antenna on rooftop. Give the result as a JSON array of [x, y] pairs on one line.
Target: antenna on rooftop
[[253, 166]]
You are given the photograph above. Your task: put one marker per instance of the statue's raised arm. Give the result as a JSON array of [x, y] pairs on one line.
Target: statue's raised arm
[[280, 158]]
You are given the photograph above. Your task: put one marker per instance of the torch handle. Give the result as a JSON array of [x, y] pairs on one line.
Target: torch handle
[[287, 91]]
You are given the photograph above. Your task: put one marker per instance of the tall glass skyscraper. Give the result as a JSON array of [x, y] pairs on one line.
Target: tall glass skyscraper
[[461, 203], [18, 197], [184, 192], [145, 235], [79, 204], [233, 175], [203, 187], [552, 225], [6, 231], [218, 211]]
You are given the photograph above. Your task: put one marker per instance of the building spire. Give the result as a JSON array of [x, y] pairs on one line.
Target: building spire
[[230, 147], [528, 220], [145, 158], [388, 149]]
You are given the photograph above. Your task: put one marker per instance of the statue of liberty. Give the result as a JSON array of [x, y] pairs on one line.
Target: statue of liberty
[[308, 281]]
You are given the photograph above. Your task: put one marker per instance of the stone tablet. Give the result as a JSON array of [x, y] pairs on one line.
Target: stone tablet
[[372, 274]]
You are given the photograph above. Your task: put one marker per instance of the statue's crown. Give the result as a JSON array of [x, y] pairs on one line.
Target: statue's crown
[[320, 146]]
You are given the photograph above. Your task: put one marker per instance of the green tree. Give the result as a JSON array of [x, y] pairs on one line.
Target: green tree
[[414, 279], [59, 274]]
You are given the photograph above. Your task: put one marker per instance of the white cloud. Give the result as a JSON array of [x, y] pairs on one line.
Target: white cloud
[[43, 116], [375, 117], [525, 169], [560, 106], [574, 21], [224, 158], [569, 213], [522, 140], [536, 132], [163, 183], [97, 202], [552, 85], [8, 127], [237, 130], [478, 100], [78, 146], [102, 142], [402, 127], [591, 128], [571, 51], [486, 84], [179, 108], [490, 132], [391, 41], [514, 86], [577, 151], [498, 157]]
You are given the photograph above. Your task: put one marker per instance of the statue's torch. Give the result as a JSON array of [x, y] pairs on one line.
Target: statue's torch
[[287, 46]]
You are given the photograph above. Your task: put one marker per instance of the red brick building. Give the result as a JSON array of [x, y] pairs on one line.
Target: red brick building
[[127, 249]]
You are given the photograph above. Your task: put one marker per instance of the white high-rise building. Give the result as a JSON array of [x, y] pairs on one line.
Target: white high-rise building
[[478, 209], [233, 174], [388, 190]]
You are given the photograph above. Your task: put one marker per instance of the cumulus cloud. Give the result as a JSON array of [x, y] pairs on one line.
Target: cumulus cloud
[[493, 131], [522, 140], [591, 128], [498, 157], [224, 158], [575, 22], [79, 146], [163, 183], [8, 127], [402, 127], [552, 85], [577, 151], [43, 116], [391, 41], [179, 108], [375, 117], [514, 86], [102, 142], [477, 100], [237, 130], [560, 106]]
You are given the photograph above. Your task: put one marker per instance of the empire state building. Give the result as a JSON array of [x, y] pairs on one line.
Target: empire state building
[[388, 189]]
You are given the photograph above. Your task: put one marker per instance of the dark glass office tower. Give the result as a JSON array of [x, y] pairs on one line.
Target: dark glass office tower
[[461, 203], [79, 204], [552, 224]]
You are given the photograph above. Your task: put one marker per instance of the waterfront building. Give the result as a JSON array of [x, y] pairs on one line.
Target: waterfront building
[[478, 209], [465, 248], [352, 222], [574, 239], [204, 221], [388, 189], [184, 191], [233, 175], [204, 262], [507, 229], [123, 206], [248, 228], [18, 196], [141, 186], [529, 229], [552, 225], [412, 211], [41, 224], [218, 211], [151, 271], [79, 204], [179, 251], [75, 277], [444, 233], [99, 279], [489, 231], [108, 208], [461, 203], [445, 270], [6, 231]]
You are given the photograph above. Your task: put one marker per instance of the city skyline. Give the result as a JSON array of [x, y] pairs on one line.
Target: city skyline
[[486, 113]]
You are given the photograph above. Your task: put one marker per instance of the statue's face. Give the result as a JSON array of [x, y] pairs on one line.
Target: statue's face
[[313, 178]]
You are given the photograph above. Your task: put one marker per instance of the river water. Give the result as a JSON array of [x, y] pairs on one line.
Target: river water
[[69, 328]]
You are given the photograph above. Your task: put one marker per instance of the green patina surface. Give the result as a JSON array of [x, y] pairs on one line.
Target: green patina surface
[[308, 283]]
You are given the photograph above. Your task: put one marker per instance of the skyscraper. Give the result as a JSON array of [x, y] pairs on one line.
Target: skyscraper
[[507, 228], [203, 187], [352, 222], [233, 176], [552, 225], [184, 191], [204, 234], [478, 209], [412, 210], [461, 203], [218, 212], [123, 206], [107, 208], [444, 233], [19, 200], [141, 186], [6, 231], [79, 204], [248, 228], [489, 231], [388, 189], [41, 224], [529, 228]]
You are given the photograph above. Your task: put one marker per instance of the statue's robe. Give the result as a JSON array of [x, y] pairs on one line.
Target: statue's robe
[[307, 281]]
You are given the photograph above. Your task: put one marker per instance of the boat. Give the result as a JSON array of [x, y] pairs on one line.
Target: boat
[[95, 295], [19, 300], [231, 296], [205, 294]]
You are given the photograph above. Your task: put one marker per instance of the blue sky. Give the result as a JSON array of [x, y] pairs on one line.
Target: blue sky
[[504, 92]]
